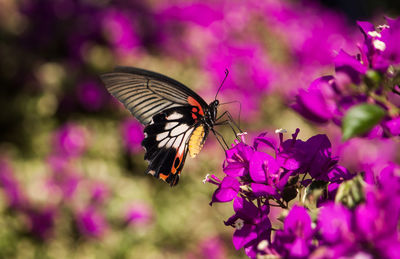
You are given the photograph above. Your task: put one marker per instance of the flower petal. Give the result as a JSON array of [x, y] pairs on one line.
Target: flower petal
[[227, 191], [245, 209], [261, 165], [243, 236], [263, 190]]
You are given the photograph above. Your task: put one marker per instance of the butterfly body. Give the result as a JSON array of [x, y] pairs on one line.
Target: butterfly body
[[196, 141], [177, 121]]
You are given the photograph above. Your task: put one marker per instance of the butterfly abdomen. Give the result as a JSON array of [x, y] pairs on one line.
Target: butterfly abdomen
[[196, 141]]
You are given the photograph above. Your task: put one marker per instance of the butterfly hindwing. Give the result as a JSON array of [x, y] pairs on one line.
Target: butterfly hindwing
[[166, 142]]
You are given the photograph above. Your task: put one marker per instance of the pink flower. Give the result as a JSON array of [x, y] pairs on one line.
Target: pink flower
[[139, 214], [132, 133], [70, 140], [91, 223]]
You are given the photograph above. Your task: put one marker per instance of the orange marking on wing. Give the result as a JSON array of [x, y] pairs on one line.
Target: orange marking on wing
[[163, 176], [195, 103], [174, 168]]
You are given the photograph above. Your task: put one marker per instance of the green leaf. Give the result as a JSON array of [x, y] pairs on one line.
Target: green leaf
[[360, 119]]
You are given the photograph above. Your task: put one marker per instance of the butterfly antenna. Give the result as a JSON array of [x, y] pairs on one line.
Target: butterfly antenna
[[226, 75]]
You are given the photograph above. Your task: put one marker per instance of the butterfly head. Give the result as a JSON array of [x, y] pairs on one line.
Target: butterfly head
[[213, 110]]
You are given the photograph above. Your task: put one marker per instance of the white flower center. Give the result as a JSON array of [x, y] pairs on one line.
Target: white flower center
[[241, 135], [239, 223], [262, 245], [379, 45], [383, 26], [280, 131], [206, 178], [245, 188], [374, 34]]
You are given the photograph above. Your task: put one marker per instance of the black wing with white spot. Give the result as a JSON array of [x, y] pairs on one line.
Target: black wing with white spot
[[146, 93], [166, 142]]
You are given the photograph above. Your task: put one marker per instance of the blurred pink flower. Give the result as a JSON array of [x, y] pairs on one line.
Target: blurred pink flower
[[99, 192], [70, 140], [313, 33], [212, 248], [132, 133], [91, 95], [249, 76], [11, 187], [119, 27], [200, 13], [359, 153], [41, 221], [91, 223], [139, 214], [63, 177]]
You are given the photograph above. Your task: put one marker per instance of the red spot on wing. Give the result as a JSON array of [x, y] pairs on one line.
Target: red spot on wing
[[195, 103], [194, 111]]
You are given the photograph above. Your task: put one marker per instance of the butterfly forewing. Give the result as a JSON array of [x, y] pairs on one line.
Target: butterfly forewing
[[145, 93]]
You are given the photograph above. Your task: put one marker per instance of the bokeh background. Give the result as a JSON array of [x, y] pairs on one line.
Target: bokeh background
[[71, 164]]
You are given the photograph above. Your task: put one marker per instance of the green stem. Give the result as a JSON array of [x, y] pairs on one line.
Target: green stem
[[393, 110]]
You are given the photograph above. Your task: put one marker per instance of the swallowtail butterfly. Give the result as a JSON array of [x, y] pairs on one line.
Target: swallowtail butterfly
[[176, 119]]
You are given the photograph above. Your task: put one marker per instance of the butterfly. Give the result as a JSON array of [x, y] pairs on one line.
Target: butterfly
[[177, 120]]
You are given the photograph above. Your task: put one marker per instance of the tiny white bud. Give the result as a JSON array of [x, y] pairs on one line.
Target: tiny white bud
[[379, 45], [206, 178], [239, 223], [313, 225], [280, 131], [383, 26], [245, 188], [241, 135], [374, 34], [262, 245]]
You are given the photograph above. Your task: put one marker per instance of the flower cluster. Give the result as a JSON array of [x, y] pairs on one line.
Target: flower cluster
[[363, 96], [257, 181], [268, 174], [338, 214], [371, 229]]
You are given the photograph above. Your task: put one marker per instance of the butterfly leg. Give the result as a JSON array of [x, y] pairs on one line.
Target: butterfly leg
[[230, 122], [240, 109], [227, 122], [218, 136]]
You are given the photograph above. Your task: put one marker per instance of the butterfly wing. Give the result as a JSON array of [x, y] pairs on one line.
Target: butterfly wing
[[170, 111], [166, 142], [146, 93]]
